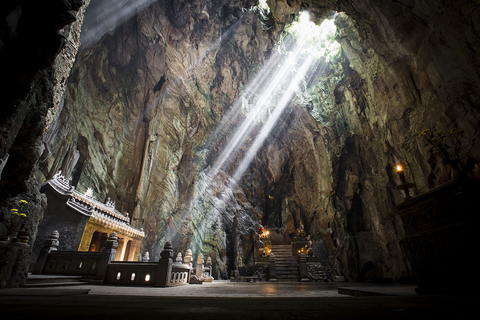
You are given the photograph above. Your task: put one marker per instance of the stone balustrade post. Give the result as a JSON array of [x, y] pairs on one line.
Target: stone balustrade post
[[303, 268], [208, 266], [187, 260], [51, 244], [199, 270], [188, 257], [108, 254], [164, 270], [272, 268]]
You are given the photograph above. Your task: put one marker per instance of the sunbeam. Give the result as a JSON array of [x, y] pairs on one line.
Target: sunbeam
[[272, 120], [261, 89], [103, 17], [258, 109]]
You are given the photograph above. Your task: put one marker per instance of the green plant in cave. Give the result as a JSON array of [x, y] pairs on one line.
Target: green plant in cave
[[265, 15], [446, 146]]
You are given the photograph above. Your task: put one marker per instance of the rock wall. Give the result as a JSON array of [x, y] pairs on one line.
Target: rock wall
[[141, 123], [38, 45], [409, 66]]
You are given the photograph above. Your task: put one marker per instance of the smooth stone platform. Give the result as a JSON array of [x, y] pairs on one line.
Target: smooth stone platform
[[233, 300]]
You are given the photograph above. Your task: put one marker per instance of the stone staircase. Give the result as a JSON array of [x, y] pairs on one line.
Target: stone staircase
[[42, 281], [285, 262]]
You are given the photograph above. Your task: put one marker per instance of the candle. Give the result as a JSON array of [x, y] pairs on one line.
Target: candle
[[404, 185], [401, 174]]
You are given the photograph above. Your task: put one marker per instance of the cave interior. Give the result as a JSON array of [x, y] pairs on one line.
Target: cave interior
[[202, 118]]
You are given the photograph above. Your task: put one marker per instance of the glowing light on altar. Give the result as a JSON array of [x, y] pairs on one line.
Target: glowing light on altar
[[265, 234]]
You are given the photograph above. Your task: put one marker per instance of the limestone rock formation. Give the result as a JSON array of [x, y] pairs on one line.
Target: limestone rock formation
[[38, 45]]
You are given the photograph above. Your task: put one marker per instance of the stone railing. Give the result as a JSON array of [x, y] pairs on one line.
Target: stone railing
[[78, 263], [155, 274], [100, 265]]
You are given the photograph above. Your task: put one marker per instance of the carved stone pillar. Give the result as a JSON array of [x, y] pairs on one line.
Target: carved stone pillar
[[164, 271], [49, 245], [199, 270], [303, 268], [108, 254], [272, 269]]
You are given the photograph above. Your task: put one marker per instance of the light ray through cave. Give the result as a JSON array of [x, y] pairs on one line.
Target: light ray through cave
[[271, 90], [272, 120], [262, 88], [103, 17]]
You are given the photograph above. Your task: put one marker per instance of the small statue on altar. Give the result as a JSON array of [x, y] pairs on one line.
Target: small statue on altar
[[262, 233], [309, 247], [301, 230], [261, 248]]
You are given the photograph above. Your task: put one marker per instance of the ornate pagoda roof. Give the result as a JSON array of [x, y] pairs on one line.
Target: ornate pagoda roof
[[104, 214]]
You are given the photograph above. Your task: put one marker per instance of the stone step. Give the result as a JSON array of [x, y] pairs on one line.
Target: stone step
[[53, 284], [283, 254], [286, 263], [293, 278], [289, 250], [38, 281], [285, 258], [286, 266], [289, 254], [293, 262], [287, 274]]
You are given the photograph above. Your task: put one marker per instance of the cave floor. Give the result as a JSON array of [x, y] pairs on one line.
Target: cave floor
[[231, 300]]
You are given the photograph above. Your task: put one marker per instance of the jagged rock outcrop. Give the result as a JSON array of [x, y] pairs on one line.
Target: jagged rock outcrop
[[38, 45], [146, 116]]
